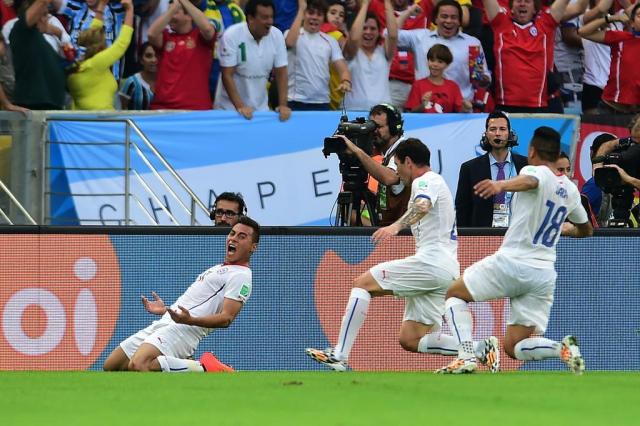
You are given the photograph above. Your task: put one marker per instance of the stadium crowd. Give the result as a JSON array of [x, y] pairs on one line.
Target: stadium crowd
[[429, 56]]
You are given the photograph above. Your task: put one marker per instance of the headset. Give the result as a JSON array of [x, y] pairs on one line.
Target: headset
[[234, 197], [512, 139], [394, 118]]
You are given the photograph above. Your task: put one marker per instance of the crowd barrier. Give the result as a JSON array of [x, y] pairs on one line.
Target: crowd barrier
[[68, 296]]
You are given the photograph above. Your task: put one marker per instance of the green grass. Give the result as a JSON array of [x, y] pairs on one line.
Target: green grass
[[319, 398]]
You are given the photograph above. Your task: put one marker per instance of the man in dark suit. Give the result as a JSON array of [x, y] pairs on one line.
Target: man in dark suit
[[497, 164]]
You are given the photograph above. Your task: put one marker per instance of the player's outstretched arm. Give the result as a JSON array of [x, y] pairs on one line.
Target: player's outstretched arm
[[488, 188], [156, 307], [579, 230], [230, 310], [416, 211]]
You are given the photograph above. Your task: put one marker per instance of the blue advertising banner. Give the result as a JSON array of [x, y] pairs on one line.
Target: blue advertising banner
[[68, 309], [278, 167]]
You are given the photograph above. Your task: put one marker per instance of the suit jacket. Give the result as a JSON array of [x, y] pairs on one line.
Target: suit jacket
[[471, 210]]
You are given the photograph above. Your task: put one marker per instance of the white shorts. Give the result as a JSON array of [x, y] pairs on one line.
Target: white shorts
[[421, 284], [175, 340], [530, 290]]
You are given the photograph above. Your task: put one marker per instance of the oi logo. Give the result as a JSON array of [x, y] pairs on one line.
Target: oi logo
[[59, 300]]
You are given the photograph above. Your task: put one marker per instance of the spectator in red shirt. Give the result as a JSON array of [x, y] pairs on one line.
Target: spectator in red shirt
[[402, 74], [185, 57], [435, 93], [622, 92], [523, 48]]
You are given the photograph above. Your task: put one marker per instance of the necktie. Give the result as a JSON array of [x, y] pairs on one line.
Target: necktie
[[500, 198]]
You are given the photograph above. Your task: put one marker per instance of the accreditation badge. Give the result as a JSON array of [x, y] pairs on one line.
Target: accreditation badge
[[500, 215]]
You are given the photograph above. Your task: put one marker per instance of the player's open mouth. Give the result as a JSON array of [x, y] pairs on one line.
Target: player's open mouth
[[231, 248]]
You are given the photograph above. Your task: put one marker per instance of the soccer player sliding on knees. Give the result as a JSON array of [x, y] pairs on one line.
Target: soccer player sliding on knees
[[523, 267]]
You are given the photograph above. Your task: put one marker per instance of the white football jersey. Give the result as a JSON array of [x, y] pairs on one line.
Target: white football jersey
[[206, 295], [435, 234], [537, 216]]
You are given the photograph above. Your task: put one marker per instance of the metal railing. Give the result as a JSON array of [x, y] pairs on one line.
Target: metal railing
[[129, 175], [4, 216]]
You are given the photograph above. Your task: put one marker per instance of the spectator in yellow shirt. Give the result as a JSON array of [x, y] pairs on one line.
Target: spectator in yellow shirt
[[91, 83]]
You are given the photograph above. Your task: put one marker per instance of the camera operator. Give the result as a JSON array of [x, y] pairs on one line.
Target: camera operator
[[630, 147], [629, 180], [393, 196], [622, 159]]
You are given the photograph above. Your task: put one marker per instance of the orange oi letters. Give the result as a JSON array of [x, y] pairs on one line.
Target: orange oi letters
[[377, 347], [59, 300]]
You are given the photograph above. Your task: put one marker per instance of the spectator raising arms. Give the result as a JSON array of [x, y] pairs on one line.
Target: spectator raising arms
[[622, 92], [370, 56], [335, 26], [523, 48], [436, 93], [80, 14], [91, 83], [39, 74], [137, 91], [185, 57], [311, 53]]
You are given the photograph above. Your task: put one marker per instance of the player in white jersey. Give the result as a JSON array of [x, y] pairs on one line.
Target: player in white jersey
[[212, 301], [422, 279], [523, 268]]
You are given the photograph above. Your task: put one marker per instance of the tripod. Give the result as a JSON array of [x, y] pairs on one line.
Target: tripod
[[350, 202]]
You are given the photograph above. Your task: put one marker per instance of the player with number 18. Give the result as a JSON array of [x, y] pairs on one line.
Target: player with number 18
[[523, 267]]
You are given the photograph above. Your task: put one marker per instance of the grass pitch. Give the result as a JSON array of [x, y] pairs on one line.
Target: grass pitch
[[319, 398]]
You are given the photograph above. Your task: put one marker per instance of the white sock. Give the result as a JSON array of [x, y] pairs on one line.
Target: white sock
[[461, 323], [537, 348], [353, 318], [438, 343], [170, 364]]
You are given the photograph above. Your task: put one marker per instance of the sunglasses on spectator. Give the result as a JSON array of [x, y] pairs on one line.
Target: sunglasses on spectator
[[227, 213]]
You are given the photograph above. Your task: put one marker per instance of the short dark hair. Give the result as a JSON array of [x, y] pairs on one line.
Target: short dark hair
[[414, 149], [251, 7], [563, 155], [234, 197], [440, 51], [335, 2], [246, 220], [318, 5], [142, 48], [546, 142], [598, 141], [394, 117], [442, 3], [497, 114], [371, 15]]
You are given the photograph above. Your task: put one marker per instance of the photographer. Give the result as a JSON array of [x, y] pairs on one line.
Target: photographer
[[616, 166], [629, 180], [393, 196], [629, 146]]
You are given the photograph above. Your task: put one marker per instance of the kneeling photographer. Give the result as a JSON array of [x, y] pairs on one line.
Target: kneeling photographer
[[616, 168], [392, 196]]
